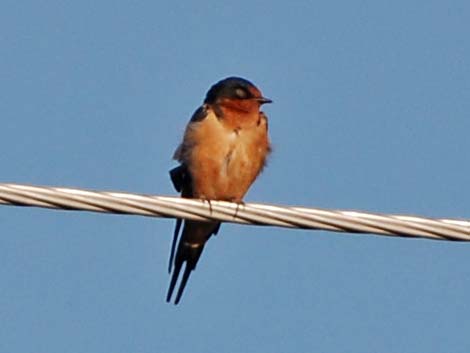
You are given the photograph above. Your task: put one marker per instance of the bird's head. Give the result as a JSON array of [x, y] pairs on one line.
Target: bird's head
[[236, 92]]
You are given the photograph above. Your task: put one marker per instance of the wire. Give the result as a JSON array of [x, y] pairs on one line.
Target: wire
[[248, 213]]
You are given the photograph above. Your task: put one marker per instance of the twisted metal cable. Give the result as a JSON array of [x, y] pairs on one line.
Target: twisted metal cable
[[249, 213]]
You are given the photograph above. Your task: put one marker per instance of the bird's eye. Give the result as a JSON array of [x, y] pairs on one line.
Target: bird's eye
[[241, 93]]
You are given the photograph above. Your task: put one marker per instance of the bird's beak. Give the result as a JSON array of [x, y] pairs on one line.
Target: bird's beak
[[263, 100]]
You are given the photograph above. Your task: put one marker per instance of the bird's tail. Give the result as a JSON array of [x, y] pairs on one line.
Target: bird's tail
[[190, 247], [190, 254]]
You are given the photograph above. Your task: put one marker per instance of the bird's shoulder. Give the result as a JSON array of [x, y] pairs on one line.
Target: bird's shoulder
[[200, 114], [202, 122]]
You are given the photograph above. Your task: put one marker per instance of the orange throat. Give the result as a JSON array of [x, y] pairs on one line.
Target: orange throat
[[238, 114]]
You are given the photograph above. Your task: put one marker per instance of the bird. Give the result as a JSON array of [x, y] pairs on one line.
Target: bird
[[224, 149]]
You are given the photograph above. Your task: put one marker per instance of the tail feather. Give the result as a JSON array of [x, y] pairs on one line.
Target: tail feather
[[179, 221], [174, 278], [184, 280], [189, 253]]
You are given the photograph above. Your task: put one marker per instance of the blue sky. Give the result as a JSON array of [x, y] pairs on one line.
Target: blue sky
[[371, 112]]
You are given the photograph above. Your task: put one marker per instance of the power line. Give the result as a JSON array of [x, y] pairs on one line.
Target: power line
[[248, 213]]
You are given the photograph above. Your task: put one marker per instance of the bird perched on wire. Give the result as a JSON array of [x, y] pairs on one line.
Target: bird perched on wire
[[224, 149]]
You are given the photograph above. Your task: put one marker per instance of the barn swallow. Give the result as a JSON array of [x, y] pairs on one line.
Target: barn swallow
[[224, 149]]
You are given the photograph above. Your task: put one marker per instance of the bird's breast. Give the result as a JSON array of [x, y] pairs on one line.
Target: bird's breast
[[226, 159]]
